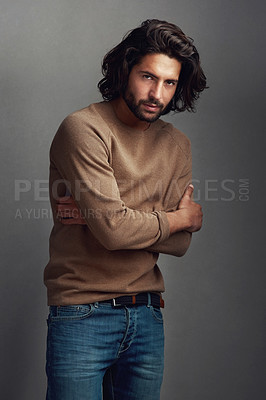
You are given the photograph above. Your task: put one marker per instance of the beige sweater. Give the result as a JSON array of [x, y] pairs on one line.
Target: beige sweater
[[123, 180]]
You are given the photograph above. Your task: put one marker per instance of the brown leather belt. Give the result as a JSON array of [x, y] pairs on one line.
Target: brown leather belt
[[147, 299]]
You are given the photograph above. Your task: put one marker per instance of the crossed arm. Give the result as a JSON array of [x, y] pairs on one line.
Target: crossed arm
[[182, 222], [78, 153]]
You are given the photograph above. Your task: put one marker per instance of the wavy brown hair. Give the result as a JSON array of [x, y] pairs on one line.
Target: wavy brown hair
[[154, 36]]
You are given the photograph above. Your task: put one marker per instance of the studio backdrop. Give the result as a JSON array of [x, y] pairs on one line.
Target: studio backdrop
[[51, 53]]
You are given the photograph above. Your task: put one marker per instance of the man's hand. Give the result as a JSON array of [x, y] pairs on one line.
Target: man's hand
[[68, 213], [192, 211], [188, 216]]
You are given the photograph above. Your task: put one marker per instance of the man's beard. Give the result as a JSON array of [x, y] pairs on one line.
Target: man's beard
[[135, 107]]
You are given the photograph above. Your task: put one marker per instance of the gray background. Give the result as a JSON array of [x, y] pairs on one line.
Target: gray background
[[51, 53]]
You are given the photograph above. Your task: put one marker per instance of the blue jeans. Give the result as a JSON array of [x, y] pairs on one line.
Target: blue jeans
[[97, 351]]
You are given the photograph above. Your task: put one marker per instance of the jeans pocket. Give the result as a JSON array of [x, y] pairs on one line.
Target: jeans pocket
[[157, 314], [70, 313]]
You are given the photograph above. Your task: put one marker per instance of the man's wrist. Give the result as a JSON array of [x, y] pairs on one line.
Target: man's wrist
[[176, 221]]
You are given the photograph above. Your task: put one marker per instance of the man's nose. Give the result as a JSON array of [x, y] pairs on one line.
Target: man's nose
[[156, 91]]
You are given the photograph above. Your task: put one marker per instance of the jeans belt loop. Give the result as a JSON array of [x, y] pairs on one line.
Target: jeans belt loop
[[115, 304], [149, 300]]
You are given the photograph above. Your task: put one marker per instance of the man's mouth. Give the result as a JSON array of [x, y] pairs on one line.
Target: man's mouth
[[151, 107]]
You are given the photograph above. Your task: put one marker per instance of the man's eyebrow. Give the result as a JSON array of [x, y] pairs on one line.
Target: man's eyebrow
[[156, 77]]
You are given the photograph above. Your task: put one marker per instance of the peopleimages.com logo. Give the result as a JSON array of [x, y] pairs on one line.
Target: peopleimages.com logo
[[227, 189], [207, 190]]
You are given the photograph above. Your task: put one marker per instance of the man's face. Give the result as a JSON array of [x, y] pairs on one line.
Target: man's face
[[151, 86]]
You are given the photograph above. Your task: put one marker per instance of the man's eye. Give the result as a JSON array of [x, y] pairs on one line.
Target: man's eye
[[147, 77], [170, 83]]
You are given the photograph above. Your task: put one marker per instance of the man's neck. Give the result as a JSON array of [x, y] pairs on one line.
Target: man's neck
[[126, 116]]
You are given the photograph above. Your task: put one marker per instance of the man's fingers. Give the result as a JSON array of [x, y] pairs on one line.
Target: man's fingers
[[65, 200], [189, 191], [72, 221]]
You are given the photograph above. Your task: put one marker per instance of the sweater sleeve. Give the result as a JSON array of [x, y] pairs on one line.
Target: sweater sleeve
[[81, 157], [178, 243]]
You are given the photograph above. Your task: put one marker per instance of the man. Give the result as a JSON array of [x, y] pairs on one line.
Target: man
[[120, 194]]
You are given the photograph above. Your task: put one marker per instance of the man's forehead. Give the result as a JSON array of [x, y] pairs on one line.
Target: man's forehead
[[160, 65]]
